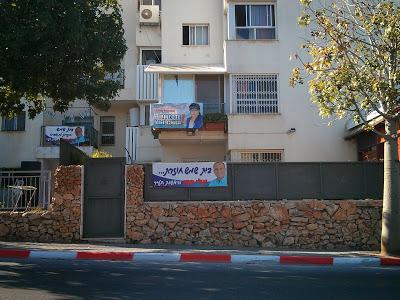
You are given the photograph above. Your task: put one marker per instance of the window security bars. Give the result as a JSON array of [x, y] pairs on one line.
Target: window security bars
[[22, 190], [255, 94], [107, 127], [269, 156]]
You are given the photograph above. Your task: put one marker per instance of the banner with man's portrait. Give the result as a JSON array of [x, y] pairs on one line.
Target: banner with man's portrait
[[72, 134], [196, 174]]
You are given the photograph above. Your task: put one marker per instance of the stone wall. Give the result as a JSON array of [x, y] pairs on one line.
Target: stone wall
[[303, 224], [62, 220]]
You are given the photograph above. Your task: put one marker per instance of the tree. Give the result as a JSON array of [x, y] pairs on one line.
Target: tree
[[353, 65], [58, 49]]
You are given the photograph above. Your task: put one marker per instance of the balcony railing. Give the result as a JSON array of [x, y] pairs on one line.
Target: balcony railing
[[146, 84], [91, 137], [213, 107]]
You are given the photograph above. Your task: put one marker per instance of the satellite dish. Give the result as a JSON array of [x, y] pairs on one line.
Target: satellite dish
[[146, 14]]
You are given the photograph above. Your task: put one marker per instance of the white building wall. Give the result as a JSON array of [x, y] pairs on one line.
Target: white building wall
[[313, 140], [17, 146], [148, 148], [129, 15], [174, 14]]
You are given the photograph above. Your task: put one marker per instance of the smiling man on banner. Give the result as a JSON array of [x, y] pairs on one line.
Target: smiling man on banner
[[220, 172]]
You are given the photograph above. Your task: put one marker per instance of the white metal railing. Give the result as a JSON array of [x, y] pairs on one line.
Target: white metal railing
[[21, 190], [255, 94], [261, 156], [146, 84], [131, 144]]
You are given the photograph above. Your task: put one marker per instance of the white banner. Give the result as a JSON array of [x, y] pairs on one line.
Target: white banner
[[73, 135], [201, 174]]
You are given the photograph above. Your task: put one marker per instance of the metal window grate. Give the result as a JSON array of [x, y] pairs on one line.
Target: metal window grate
[[255, 94], [269, 156], [107, 127]]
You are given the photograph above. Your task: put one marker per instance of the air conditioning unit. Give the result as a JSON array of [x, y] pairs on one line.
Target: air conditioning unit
[[149, 15]]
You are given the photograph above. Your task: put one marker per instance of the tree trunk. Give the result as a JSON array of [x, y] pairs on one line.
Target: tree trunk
[[390, 239]]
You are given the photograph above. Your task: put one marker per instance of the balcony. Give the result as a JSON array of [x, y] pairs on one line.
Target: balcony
[[76, 125], [50, 148], [146, 84], [214, 130]]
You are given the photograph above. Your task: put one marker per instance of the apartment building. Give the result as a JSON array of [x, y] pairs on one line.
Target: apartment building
[[229, 56]]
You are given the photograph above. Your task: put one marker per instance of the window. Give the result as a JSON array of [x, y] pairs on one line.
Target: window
[[195, 34], [209, 90], [255, 22], [151, 2], [107, 130], [262, 156], [14, 124], [255, 94], [151, 57]]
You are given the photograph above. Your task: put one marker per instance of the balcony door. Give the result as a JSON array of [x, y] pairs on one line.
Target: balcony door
[[210, 92]]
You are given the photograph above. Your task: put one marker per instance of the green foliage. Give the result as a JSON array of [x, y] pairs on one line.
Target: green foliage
[[215, 117], [60, 50], [99, 153], [354, 55]]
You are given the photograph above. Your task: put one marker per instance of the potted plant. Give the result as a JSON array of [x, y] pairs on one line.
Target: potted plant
[[215, 121]]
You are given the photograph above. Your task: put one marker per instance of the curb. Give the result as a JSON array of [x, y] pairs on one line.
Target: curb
[[198, 257]]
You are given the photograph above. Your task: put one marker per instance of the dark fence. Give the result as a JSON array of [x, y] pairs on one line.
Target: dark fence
[[276, 181], [71, 155]]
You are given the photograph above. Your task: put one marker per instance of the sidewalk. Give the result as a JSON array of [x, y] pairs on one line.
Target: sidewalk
[[173, 253]]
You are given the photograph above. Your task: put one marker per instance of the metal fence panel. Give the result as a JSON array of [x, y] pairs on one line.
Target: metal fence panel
[[342, 181], [162, 194], [373, 184], [22, 190], [254, 181], [71, 155], [299, 181], [275, 181]]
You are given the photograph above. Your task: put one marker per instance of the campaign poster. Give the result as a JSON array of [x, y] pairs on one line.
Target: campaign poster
[[72, 134], [176, 115], [196, 174]]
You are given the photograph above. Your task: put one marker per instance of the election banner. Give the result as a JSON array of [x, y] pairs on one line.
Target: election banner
[[196, 174], [176, 115], [71, 134]]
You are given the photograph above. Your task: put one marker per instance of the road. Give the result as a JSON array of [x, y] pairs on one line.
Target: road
[[58, 279]]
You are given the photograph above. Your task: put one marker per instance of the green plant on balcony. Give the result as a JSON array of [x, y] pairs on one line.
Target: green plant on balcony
[[215, 118], [215, 122]]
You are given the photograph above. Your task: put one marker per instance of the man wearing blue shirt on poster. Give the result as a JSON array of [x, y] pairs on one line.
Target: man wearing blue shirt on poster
[[80, 138], [219, 171]]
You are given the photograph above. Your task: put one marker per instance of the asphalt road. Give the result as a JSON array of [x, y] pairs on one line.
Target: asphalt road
[[58, 279]]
